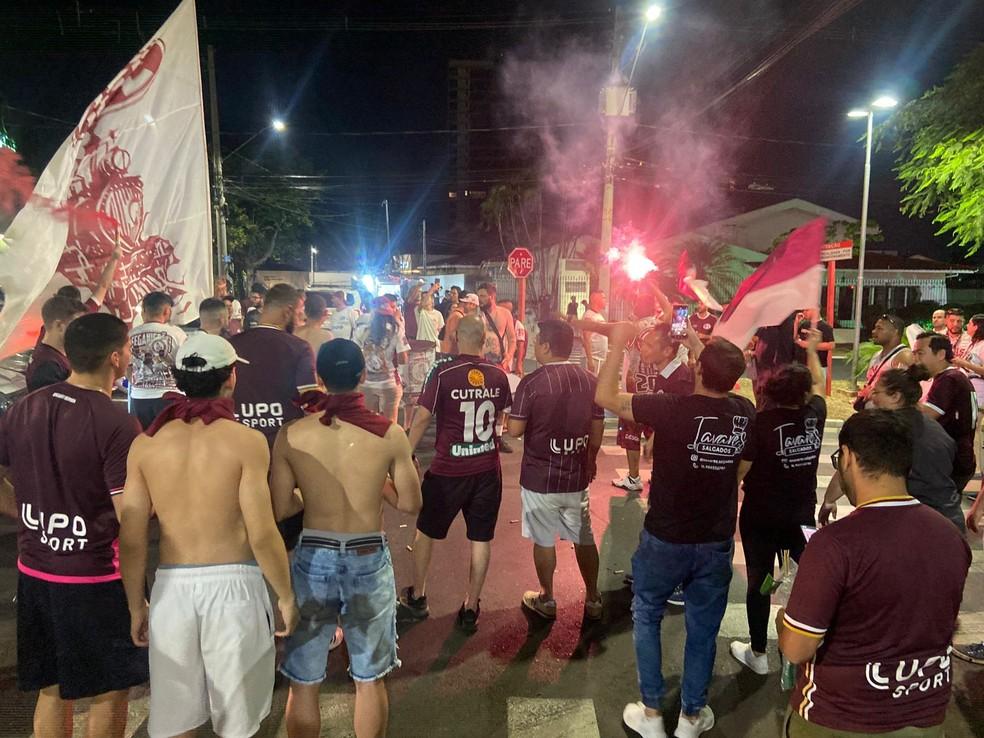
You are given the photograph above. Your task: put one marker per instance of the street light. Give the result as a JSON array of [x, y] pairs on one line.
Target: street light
[[276, 124], [653, 12], [883, 102], [314, 253]]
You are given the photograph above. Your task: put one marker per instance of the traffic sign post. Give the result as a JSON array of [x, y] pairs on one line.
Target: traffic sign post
[[832, 253], [520, 264]]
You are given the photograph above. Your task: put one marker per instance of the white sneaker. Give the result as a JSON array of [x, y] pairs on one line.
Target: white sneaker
[[634, 716], [703, 723], [631, 484], [743, 653]]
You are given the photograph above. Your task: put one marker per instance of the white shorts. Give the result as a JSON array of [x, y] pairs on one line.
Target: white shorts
[[549, 515], [211, 650]]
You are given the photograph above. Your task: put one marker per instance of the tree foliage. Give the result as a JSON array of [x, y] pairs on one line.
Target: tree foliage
[[843, 230], [262, 224], [939, 145]]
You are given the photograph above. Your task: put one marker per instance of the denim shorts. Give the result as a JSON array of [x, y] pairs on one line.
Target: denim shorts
[[349, 586]]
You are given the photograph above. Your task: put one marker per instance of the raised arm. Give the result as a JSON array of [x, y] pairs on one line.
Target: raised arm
[[261, 528], [607, 394], [812, 344], [109, 271], [133, 508], [664, 305], [403, 472]]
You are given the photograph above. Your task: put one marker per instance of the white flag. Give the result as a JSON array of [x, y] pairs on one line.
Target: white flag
[[136, 162]]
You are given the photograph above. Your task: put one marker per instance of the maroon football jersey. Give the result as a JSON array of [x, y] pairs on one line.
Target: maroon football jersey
[[466, 394], [66, 448], [280, 364], [557, 403], [48, 366]]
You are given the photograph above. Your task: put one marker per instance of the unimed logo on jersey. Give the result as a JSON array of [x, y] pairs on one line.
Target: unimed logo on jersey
[[261, 414]]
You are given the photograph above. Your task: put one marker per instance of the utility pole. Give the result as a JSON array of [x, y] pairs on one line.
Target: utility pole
[[423, 238], [386, 207], [218, 194]]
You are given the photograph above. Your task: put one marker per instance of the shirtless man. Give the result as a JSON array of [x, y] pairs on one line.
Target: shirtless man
[[342, 569], [313, 330], [209, 625]]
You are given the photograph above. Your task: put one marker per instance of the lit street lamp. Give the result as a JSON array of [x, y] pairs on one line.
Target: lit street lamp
[[314, 253], [884, 102]]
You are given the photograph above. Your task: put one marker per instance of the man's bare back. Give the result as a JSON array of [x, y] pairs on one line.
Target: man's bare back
[[341, 471], [196, 475], [315, 335]]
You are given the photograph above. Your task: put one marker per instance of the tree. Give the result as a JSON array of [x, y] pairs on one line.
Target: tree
[[261, 224], [939, 145], [714, 261]]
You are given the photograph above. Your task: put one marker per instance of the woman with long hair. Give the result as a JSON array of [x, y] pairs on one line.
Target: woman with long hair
[[973, 365], [779, 470], [384, 346]]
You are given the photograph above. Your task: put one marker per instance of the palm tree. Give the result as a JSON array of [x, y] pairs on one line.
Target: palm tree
[[714, 261]]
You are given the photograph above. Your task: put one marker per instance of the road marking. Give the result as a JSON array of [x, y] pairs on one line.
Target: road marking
[[541, 717]]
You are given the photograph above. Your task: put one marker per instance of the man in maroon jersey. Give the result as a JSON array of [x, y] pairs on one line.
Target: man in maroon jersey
[[49, 364], [554, 408], [468, 395], [874, 659], [64, 449], [281, 366]]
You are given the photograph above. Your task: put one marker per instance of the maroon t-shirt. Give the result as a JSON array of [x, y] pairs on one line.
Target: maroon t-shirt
[[66, 450], [279, 365], [675, 379], [48, 366], [557, 403], [952, 395], [882, 588], [701, 325], [466, 394]]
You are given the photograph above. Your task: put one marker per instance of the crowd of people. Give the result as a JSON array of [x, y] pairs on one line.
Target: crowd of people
[[239, 442]]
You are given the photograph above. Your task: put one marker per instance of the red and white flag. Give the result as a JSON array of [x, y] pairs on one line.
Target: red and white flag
[[136, 162], [691, 287], [785, 282]]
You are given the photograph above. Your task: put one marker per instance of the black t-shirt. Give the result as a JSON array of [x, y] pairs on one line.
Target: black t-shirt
[[784, 448], [693, 496], [826, 336]]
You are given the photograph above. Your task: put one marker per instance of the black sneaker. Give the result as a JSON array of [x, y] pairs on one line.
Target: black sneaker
[[416, 606], [468, 619], [676, 599], [972, 652]]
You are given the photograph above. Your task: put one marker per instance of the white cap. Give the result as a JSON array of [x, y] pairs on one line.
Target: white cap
[[216, 352], [469, 297]]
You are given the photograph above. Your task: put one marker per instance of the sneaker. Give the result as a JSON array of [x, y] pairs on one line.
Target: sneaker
[[704, 722], [630, 484], [504, 448], [468, 619], [972, 652], [759, 663], [546, 609], [416, 606], [635, 717], [336, 640], [676, 599], [593, 609]]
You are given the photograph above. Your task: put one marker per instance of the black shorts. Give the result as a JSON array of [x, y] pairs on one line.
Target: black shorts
[[76, 636], [477, 496]]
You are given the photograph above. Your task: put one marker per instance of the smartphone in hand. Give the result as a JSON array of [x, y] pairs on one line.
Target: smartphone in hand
[[678, 324]]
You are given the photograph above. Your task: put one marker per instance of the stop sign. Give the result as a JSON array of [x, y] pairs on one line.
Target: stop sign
[[520, 262]]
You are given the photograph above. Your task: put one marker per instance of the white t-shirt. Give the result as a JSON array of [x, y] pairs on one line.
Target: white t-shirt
[[154, 346], [599, 342], [343, 322], [975, 355], [429, 324], [381, 365]]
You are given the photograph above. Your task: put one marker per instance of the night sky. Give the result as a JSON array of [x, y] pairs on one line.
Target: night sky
[[367, 69]]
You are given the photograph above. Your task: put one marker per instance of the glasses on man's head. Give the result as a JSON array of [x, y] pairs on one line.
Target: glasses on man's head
[[893, 320], [835, 459]]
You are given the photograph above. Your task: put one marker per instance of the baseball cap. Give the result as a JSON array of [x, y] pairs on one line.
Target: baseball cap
[[469, 297], [203, 352], [340, 364]]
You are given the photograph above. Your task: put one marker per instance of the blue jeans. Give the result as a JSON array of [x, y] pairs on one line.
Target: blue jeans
[[704, 570], [357, 591]]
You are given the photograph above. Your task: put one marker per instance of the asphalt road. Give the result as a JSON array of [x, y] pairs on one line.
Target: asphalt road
[[518, 676]]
